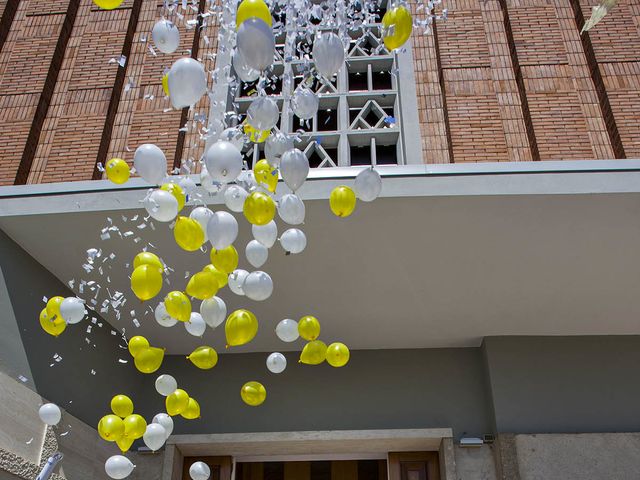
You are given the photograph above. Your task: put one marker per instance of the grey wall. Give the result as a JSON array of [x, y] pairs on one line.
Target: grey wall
[[564, 384]]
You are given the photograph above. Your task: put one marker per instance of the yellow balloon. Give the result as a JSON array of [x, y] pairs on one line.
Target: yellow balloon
[[337, 354], [225, 259], [398, 24], [111, 428], [149, 360], [122, 406], [165, 83], [314, 353], [188, 234], [256, 136], [117, 171], [146, 281], [177, 192], [177, 402], [137, 344], [124, 443], [259, 208], [253, 393], [266, 175], [178, 306], [309, 327], [240, 328], [108, 4], [148, 258], [53, 307], [52, 327], [342, 201], [204, 357], [253, 8], [192, 411], [202, 285], [221, 277], [134, 426]]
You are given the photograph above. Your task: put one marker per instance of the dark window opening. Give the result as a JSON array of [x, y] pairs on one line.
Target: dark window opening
[[358, 81], [360, 155], [381, 80], [386, 155], [327, 120]]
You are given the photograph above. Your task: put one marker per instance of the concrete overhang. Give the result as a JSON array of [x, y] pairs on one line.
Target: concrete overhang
[[448, 254]]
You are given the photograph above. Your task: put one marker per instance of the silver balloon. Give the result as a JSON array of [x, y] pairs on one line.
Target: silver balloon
[[150, 163], [166, 421], [223, 161], [277, 143], [118, 467], [304, 103], [276, 362], [293, 240], [328, 54], [236, 281], [187, 82], [256, 253], [199, 471], [166, 36], [234, 197], [161, 205], [244, 72], [294, 168], [196, 325], [234, 136], [291, 209], [287, 330], [202, 215], [50, 414], [258, 286], [256, 43], [265, 234], [213, 311], [154, 436], [163, 318], [72, 310], [263, 113], [368, 185], [222, 230]]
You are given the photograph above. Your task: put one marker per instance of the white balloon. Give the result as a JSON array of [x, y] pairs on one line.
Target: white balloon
[[72, 310], [328, 54], [166, 36], [287, 330], [258, 286], [275, 145], [256, 43], [276, 362], [234, 197], [207, 181], [118, 467], [244, 72], [256, 253], [161, 205], [150, 163], [222, 230], [199, 471], [213, 311], [294, 168], [368, 185], [265, 234], [187, 82], [236, 281], [166, 421], [162, 316], [154, 436], [223, 161], [293, 240], [202, 215], [166, 385], [263, 113], [291, 209], [234, 136], [196, 325], [50, 414], [304, 103]]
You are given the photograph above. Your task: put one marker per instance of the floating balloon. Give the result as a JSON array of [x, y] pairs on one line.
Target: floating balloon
[[202, 285], [196, 325], [287, 330], [342, 201], [255, 135], [187, 82], [253, 9], [293, 240], [148, 258], [256, 43], [265, 234], [234, 136], [134, 426], [199, 471], [276, 362], [165, 83], [256, 253], [397, 25], [188, 234], [275, 146], [221, 277], [111, 428], [166, 36], [137, 344], [52, 327], [150, 163], [236, 281], [162, 317], [154, 436], [309, 327], [222, 230], [108, 4], [314, 353], [337, 354], [146, 282], [72, 310], [53, 307], [122, 406], [213, 311], [259, 208], [258, 286], [124, 443], [225, 259], [291, 209], [166, 385], [241, 327], [177, 192], [266, 175], [118, 466], [50, 414], [263, 113], [166, 421], [178, 306], [192, 411], [202, 215], [223, 161], [294, 168], [161, 205], [328, 53], [368, 185], [117, 171], [253, 393], [149, 360], [204, 357], [304, 103], [177, 402], [244, 72], [234, 197]]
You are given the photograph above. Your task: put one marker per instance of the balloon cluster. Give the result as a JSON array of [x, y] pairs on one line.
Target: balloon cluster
[[60, 312], [122, 426], [146, 358]]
